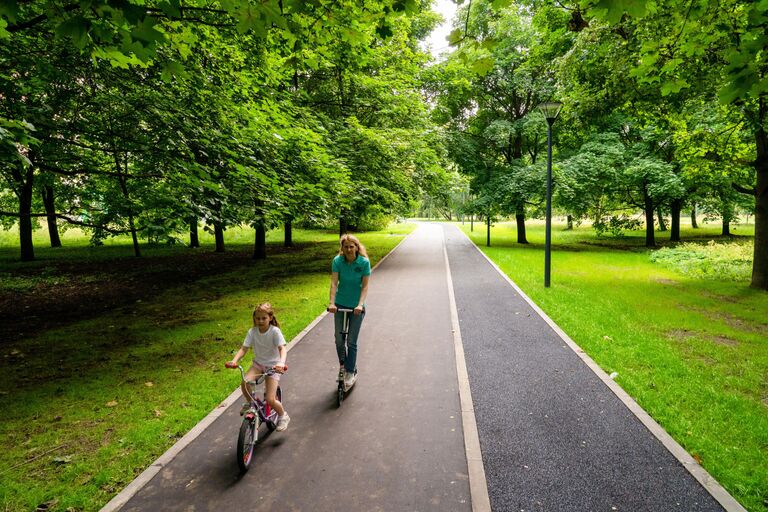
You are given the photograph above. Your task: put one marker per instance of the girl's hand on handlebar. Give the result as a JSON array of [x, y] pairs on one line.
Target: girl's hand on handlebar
[[280, 368], [230, 364]]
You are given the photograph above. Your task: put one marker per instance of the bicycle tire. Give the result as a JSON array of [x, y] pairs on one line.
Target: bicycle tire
[[246, 441]]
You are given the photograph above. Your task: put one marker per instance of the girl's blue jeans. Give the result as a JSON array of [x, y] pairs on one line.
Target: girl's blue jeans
[[348, 354]]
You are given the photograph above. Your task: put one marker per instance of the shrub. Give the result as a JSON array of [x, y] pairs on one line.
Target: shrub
[[731, 261]]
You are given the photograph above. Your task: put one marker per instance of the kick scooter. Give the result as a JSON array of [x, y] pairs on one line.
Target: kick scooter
[[342, 388]]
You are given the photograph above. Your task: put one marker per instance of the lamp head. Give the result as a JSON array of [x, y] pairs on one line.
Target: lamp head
[[550, 109]]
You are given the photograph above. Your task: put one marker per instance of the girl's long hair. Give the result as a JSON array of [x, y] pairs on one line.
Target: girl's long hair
[[266, 307], [352, 238]]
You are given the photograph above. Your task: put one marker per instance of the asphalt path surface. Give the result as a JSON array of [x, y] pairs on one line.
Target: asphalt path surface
[[395, 444], [553, 436]]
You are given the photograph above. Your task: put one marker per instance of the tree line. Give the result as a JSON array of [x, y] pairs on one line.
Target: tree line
[[664, 109], [153, 118], [158, 116]]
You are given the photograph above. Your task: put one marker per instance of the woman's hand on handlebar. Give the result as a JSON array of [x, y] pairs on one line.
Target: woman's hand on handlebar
[[332, 308]]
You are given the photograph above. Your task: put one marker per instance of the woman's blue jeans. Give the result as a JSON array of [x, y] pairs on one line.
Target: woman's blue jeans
[[348, 354]]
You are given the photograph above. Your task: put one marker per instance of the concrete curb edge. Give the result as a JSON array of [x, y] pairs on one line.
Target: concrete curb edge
[[478, 485]]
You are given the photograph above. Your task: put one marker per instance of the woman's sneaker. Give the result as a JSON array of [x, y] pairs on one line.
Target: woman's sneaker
[[349, 379], [282, 422]]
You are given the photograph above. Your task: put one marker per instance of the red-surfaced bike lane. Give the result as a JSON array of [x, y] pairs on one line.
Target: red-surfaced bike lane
[[395, 444]]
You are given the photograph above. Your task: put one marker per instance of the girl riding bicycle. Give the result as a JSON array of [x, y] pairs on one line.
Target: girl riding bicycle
[[268, 344], [350, 272]]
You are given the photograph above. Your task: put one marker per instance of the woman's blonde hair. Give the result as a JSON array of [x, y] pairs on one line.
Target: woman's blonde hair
[[266, 307], [352, 238]]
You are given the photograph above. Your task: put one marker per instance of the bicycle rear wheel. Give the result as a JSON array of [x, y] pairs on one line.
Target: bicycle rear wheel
[[245, 442]]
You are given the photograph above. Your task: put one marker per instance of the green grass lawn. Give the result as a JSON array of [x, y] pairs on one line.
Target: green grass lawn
[[88, 406], [690, 347]]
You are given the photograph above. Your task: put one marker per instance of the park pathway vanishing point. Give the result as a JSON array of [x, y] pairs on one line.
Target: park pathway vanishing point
[[554, 436]]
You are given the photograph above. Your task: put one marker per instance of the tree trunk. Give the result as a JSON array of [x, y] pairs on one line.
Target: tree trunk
[[650, 235], [260, 243], [218, 235], [288, 242], [123, 179], [488, 231], [194, 240], [726, 227], [134, 236], [570, 223], [50, 210], [25, 181], [694, 224], [660, 215], [520, 221], [760, 259], [342, 226], [676, 207]]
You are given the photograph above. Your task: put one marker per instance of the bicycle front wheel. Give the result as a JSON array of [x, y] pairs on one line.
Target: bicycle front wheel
[[245, 443]]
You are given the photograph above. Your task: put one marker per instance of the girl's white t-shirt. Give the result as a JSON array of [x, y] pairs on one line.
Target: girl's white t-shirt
[[265, 345]]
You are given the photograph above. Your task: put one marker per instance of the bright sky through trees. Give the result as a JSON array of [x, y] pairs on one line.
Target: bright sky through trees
[[437, 42]]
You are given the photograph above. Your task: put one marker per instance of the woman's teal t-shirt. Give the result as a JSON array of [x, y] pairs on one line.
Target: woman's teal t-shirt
[[350, 279]]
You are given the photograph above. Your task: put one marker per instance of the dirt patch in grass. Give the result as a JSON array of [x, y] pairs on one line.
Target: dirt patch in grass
[[736, 323], [684, 335], [680, 334], [723, 340], [89, 289]]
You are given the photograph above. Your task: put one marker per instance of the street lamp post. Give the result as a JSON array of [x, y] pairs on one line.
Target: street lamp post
[[550, 109]]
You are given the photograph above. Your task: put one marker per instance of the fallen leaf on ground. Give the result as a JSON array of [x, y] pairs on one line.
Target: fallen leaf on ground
[[113, 403]]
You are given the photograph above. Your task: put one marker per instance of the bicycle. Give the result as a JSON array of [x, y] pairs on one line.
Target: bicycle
[[342, 388], [259, 412]]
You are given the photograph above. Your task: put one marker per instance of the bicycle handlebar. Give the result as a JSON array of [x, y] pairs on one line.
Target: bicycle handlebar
[[269, 371]]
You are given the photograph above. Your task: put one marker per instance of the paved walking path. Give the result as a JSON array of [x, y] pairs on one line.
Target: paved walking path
[[553, 435]]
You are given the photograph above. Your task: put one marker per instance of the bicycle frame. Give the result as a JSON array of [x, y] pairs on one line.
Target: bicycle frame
[[258, 413], [261, 406]]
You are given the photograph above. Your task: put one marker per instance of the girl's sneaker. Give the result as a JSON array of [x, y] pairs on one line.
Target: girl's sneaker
[[245, 409], [282, 423]]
